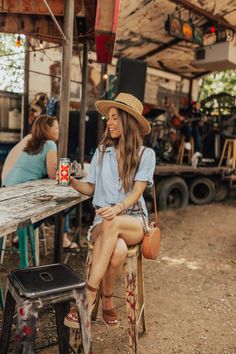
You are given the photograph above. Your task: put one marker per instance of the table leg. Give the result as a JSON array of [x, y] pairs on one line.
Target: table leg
[[78, 213], [58, 238], [23, 247]]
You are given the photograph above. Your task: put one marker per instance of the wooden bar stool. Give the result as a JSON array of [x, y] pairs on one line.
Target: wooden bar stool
[[34, 288], [184, 153], [228, 153], [134, 289]]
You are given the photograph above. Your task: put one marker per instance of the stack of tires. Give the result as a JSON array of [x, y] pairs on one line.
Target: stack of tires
[[176, 192]]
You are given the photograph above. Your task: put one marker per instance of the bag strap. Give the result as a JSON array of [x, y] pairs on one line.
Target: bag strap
[[155, 203], [154, 198]]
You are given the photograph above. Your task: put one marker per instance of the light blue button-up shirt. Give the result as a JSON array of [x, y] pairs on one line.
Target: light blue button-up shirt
[[105, 175]]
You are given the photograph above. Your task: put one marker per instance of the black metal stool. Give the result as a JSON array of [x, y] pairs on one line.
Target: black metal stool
[[33, 288]]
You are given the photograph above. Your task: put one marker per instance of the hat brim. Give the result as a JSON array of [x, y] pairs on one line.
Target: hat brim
[[103, 107]]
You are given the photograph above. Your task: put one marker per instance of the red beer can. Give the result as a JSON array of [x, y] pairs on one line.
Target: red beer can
[[64, 172]]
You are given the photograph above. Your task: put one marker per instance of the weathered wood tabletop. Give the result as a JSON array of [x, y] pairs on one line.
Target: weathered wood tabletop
[[29, 202]]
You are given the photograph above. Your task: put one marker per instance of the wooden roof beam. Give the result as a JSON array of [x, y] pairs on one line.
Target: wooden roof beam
[[37, 7], [203, 73], [160, 48], [163, 67], [55, 21], [198, 10], [40, 27]]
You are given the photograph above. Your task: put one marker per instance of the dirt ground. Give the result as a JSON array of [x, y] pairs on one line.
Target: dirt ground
[[190, 289]]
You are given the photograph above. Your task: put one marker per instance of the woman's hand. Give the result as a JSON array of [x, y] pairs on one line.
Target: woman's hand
[[85, 188], [108, 212], [73, 182]]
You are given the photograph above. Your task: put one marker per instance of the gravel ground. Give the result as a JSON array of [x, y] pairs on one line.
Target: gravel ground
[[190, 289]]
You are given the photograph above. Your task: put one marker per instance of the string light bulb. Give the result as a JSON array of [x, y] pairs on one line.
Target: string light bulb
[[104, 76], [18, 41], [41, 44]]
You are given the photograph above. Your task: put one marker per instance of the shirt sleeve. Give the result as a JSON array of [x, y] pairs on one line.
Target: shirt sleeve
[[147, 166], [50, 145], [91, 177]]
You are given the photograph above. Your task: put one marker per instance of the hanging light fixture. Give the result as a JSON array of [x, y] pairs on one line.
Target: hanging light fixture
[[18, 41], [186, 30]]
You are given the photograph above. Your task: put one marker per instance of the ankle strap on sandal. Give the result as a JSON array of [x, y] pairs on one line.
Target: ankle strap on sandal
[[107, 296], [90, 288]]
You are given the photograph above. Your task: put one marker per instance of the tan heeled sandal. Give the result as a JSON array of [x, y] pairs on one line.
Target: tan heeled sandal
[[110, 317], [71, 318]]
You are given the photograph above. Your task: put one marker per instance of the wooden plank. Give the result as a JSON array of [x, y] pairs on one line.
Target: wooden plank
[[8, 224], [26, 188], [22, 204], [37, 7], [41, 27], [179, 169]]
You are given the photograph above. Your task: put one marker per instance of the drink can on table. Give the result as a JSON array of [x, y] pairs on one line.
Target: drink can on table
[[64, 172]]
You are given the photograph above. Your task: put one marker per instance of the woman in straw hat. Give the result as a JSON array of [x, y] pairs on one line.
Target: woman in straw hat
[[117, 179]]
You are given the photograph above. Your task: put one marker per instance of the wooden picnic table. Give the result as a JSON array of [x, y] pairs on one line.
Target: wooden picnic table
[[26, 203]]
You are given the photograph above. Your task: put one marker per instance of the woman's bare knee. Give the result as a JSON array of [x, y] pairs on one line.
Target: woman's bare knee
[[119, 254], [110, 226]]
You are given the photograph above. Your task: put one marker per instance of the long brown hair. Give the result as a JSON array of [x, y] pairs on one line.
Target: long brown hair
[[40, 134], [129, 145]]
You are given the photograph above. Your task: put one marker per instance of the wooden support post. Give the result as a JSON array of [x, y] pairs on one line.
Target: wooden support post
[[83, 104], [102, 96], [25, 121], [66, 77], [190, 93]]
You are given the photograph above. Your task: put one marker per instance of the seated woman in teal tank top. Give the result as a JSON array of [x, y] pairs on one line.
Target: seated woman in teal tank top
[[35, 157]]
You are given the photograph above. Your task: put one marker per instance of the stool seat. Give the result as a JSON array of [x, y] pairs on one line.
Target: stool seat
[[45, 280], [34, 288]]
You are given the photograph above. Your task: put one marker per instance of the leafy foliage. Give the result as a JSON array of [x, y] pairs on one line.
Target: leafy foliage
[[217, 82], [11, 63]]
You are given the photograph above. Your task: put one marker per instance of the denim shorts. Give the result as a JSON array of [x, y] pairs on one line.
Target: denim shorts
[[135, 213]]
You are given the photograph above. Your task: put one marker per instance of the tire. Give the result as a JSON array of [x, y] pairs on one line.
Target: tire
[[202, 191], [172, 193], [221, 190]]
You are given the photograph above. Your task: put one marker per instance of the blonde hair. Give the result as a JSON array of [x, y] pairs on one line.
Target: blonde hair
[[129, 145]]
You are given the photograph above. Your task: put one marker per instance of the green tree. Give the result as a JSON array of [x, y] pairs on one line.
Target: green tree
[[11, 63], [224, 81]]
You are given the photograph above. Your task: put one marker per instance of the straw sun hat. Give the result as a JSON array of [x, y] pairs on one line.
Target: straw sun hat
[[127, 103]]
